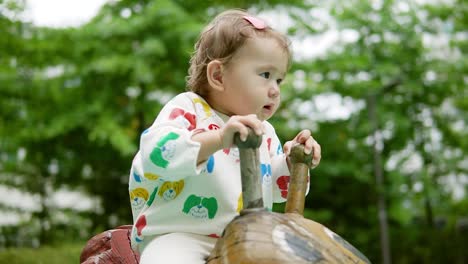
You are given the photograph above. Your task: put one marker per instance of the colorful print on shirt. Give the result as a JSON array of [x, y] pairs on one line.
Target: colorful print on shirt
[[202, 107], [200, 207], [143, 179], [139, 225], [164, 150], [283, 185], [185, 119], [266, 173], [136, 176], [151, 176], [151, 198], [213, 127], [279, 150], [240, 203], [138, 197], [170, 190], [210, 164]]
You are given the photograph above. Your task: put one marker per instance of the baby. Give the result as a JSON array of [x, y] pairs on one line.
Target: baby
[[185, 184]]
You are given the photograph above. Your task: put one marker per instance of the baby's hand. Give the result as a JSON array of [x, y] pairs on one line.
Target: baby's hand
[[310, 146], [239, 124]]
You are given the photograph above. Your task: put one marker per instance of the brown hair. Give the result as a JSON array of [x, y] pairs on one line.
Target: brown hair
[[219, 40]]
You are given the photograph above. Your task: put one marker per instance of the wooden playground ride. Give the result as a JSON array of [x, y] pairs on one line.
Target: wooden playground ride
[[259, 236], [256, 236]]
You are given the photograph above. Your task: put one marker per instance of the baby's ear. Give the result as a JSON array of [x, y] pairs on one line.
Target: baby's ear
[[214, 74]]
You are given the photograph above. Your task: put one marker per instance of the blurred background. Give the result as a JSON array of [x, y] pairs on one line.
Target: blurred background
[[382, 85]]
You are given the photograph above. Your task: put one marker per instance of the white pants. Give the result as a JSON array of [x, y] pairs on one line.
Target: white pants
[[175, 248]]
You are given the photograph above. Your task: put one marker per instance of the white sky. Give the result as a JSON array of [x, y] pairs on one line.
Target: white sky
[[66, 13], [61, 13]]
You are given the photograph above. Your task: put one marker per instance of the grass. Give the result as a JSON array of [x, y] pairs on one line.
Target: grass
[[64, 254]]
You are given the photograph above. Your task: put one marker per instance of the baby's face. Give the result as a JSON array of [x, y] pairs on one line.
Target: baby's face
[[252, 78]]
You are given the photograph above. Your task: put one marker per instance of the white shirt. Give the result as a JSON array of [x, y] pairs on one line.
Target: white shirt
[[170, 193]]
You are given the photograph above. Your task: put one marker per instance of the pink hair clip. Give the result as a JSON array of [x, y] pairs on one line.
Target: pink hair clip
[[256, 22]]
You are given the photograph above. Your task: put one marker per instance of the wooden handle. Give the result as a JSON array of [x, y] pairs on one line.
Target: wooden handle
[[250, 170], [300, 163]]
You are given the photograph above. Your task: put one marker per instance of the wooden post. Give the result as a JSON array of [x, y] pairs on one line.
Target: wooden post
[[300, 163], [250, 170]]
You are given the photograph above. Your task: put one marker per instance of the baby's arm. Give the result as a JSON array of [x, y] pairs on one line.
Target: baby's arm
[[214, 140], [167, 151]]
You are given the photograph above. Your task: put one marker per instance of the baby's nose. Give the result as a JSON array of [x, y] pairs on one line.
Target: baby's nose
[[274, 90]]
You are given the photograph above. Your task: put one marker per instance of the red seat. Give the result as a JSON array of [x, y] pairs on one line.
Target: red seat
[[110, 247]]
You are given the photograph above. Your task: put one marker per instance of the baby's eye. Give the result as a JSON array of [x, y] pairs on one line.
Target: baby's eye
[[265, 75], [279, 81]]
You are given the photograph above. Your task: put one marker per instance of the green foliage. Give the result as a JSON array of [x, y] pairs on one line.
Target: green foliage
[[387, 58], [63, 254]]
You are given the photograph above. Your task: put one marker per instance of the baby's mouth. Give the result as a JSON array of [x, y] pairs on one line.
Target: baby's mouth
[[268, 107]]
